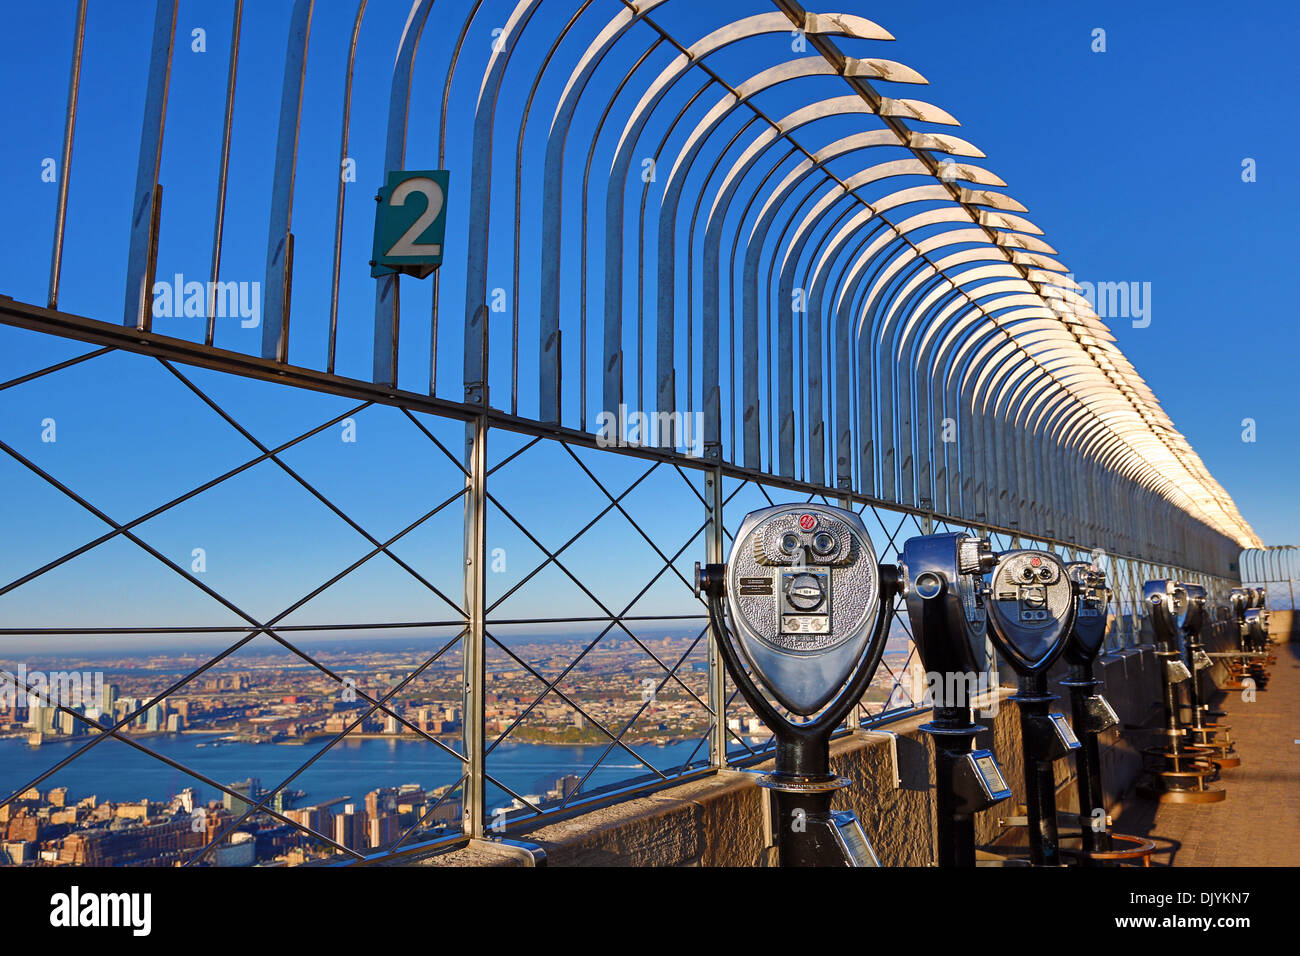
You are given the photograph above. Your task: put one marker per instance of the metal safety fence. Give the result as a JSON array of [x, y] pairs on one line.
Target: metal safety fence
[[768, 276], [1275, 569]]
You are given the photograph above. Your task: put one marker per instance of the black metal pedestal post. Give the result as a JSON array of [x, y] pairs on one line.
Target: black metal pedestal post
[[1083, 685], [802, 786], [1040, 776], [953, 732]]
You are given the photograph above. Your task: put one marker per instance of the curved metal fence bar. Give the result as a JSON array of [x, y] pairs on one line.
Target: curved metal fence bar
[[386, 318], [279, 242], [147, 197]]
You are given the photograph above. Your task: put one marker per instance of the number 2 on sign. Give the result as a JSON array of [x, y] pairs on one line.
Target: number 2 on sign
[[406, 244]]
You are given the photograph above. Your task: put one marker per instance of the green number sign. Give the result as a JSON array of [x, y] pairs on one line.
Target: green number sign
[[410, 223]]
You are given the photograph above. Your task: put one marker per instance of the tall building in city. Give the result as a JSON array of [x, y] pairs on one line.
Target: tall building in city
[[384, 829], [156, 717], [250, 788], [185, 800], [350, 828], [383, 800], [108, 698], [568, 784], [316, 819]]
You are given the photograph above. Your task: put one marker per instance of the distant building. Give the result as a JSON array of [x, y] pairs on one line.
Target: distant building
[[350, 828], [568, 784], [108, 698], [156, 717], [157, 844], [383, 800], [384, 829], [17, 853], [250, 788], [317, 819], [239, 850]]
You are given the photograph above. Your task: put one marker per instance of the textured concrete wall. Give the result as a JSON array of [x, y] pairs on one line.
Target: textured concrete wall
[[1282, 625], [718, 821]]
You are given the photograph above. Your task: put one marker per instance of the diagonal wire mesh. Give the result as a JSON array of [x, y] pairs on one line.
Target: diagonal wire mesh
[[116, 723]]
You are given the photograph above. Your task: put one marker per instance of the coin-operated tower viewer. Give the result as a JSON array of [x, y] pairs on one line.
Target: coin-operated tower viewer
[[1031, 607], [943, 579], [807, 612]]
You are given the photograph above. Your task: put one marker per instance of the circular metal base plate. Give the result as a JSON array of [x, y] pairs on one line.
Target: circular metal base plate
[[1184, 796], [1129, 848], [1189, 777], [791, 784]]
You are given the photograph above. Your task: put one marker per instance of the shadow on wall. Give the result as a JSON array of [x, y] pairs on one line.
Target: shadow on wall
[[1282, 625]]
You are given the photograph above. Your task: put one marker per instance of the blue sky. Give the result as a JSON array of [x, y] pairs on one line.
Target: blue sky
[[1130, 160]]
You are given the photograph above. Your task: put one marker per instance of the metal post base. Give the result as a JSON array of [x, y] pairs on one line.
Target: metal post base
[[1220, 751], [1206, 795]]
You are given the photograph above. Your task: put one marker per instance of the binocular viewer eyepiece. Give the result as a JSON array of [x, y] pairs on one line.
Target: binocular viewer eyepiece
[[1031, 609], [1090, 620], [802, 591]]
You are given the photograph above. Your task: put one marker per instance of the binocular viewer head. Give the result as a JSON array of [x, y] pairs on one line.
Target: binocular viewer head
[[1244, 598], [1197, 603], [1176, 609], [1031, 608], [1239, 601], [803, 591], [1090, 619], [942, 579], [1034, 608]]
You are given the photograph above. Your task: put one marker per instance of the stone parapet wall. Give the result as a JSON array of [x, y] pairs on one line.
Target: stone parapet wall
[[719, 820]]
